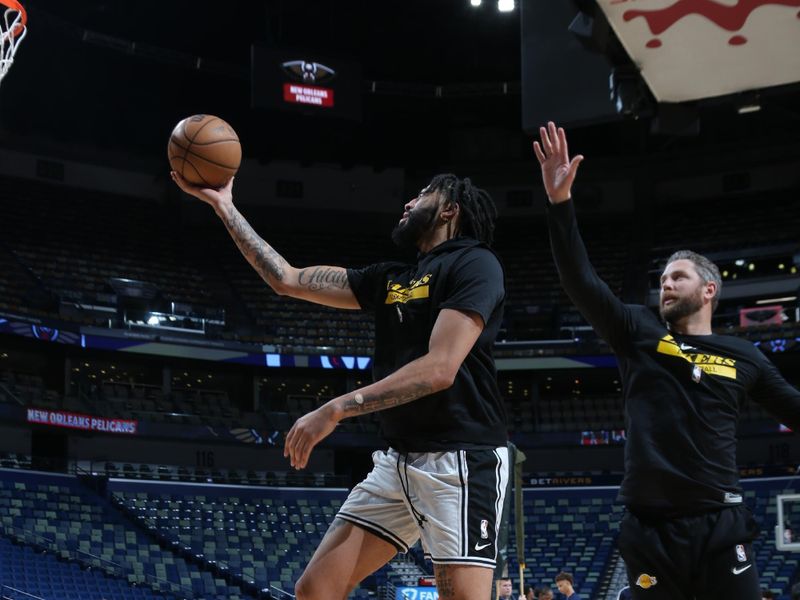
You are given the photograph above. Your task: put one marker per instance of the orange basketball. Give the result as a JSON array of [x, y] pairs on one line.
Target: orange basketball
[[205, 150]]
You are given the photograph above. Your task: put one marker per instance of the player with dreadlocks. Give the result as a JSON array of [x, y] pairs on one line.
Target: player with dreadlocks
[[444, 476]]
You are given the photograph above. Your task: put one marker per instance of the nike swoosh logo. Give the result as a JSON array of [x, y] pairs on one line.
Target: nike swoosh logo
[[482, 546], [740, 570], [685, 347]]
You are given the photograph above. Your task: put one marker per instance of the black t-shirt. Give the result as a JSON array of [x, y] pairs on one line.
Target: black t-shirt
[[461, 274], [683, 393]]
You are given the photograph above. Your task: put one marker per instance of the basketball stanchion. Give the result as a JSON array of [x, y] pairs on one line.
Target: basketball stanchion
[[13, 28]]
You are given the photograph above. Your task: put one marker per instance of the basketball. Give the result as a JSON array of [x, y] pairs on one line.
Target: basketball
[[205, 150]]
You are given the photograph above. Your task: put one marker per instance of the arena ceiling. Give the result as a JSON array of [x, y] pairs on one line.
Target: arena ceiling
[[117, 76]]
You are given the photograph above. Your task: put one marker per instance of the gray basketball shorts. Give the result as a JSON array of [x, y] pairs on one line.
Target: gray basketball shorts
[[452, 501]]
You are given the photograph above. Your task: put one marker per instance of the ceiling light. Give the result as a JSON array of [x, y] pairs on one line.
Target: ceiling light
[[505, 5], [475, 2], [774, 300], [748, 108]]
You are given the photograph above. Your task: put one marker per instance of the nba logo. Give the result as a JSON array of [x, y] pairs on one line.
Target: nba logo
[[484, 529], [740, 554]]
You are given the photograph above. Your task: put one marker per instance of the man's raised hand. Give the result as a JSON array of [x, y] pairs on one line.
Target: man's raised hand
[[558, 171]]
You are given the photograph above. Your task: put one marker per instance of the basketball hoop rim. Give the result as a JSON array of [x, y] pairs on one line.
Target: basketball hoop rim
[[14, 5]]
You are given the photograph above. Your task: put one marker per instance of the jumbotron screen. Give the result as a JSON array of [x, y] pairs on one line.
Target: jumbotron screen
[[305, 82]]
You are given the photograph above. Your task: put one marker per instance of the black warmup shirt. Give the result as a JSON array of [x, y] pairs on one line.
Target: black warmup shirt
[[683, 393], [461, 274]]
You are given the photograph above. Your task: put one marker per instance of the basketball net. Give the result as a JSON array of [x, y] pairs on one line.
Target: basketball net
[[12, 30]]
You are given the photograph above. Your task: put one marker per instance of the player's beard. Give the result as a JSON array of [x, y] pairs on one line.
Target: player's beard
[[682, 307], [407, 234]]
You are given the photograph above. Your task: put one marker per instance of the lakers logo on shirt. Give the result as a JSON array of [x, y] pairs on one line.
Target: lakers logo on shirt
[[417, 289], [707, 363], [646, 581]]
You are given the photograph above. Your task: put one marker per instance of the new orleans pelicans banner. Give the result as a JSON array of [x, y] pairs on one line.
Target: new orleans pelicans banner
[[58, 418]]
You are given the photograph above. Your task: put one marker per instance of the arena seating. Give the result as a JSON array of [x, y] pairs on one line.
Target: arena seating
[[574, 530], [778, 570], [59, 512], [297, 326], [589, 412], [547, 413], [579, 413], [283, 322], [567, 530], [25, 388], [183, 533], [43, 574], [131, 400], [536, 305], [13, 460], [737, 225], [167, 472], [209, 407], [93, 237], [573, 413], [15, 285], [266, 539]]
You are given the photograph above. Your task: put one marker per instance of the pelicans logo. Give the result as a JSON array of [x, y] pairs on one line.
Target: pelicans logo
[[308, 71], [646, 581]]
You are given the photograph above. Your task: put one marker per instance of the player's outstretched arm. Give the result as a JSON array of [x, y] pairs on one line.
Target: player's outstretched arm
[[321, 284], [604, 311], [778, 396], [453, 336]]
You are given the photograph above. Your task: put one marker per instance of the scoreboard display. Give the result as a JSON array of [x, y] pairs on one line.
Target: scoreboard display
[[305, 82]]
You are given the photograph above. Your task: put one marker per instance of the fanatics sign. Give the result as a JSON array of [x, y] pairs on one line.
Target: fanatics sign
[[416, 593], [58, 418]]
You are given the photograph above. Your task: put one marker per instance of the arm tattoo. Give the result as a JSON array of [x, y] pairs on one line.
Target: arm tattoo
[[444, 582], [265, 260], [321, 278], [360, 404]]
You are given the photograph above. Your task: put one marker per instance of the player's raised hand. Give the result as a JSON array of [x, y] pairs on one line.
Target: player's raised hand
[[214, 197], [558, 171]]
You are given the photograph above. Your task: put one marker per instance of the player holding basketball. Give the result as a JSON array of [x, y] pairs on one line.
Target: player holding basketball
[[444, 476], [686, 533]]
